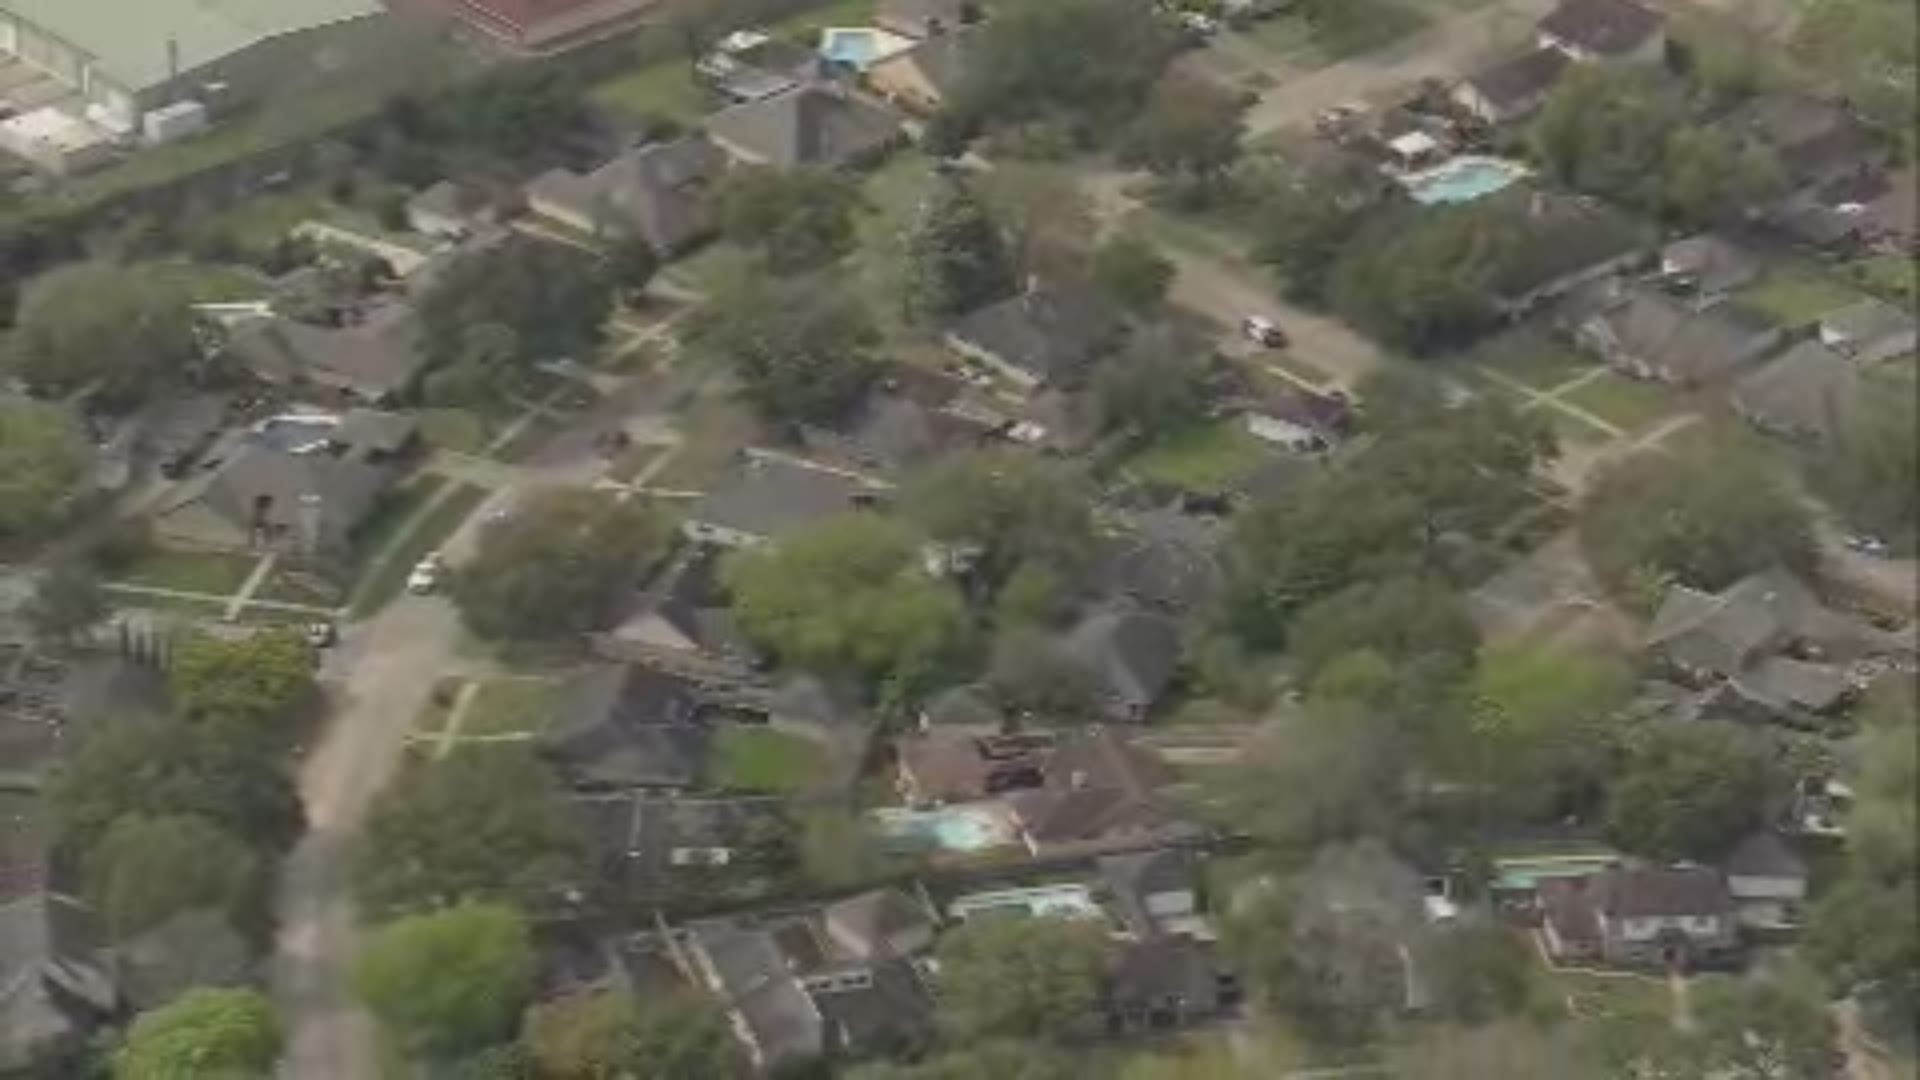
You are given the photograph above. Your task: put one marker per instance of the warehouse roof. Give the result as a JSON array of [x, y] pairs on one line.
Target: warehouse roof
[[130, 42]]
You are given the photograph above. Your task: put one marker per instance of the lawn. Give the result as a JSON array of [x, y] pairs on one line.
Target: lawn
[[1628, 404], [716, 428], [1207, 457], [663, 91], [761, 759], [1349, 29], [1895, 277], [1793, 295], [1570, 430], [511, 706], [439, 705], [534, 434], [395, 509], [217, 573], [292, 586], [892, 196], [1597, 996], [207, 283], [384, 581], [1530, 357], [634, 461]]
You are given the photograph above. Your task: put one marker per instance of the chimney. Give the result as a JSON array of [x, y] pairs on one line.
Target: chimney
[[308, 518]]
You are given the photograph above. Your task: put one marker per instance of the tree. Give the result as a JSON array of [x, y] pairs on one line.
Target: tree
[[1308, 216], [205, 1034], [1477, 974], [1704, 518], [797, 219], [1080, 66], [487, 364], [1132, 273], [556, 566], [483, 823], [43, 460], [146, 870], [610, 1034], [1605, 129], [1690, 792], [1765, 1029], [1032, 674], [1398, 619], [848, 596], [956, 259], [804, 348], [67, 600], [1710, 178], [839, 849], [1021, 978], [1011, 508], [1045, 216], [1539, 731], [449, 980], [1421, 279], [1157, 385], [632, 263], [1870, 472], [251, 685], [554, 300], [995, 1059], [1188, 134], [122, 330]]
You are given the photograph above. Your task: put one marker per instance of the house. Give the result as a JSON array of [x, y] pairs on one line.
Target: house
[[768, 497], [174, 432], [1650, 917], [1814, 140], [1154, 891], [1164, 560], [1767, 879], [623, 727], [1100, 796], [1165, 983], [1131, 657], [1043, 337], [1870, 331], [371, 355], [879, 924], [771, 1013], [814, 125], [648, 846], [447, 210], [298, 483], [546, 26], [1615, 30], [683, 621], [921, 79], [973, 709], [1055, 420], [1299, 420], [892, 429], [1706, 268], [659, 192], [1805, 394], [1647, 334], [925, 18], [1511, 89], [936, 768], [751, 65], [1569, 242], [56, 985]]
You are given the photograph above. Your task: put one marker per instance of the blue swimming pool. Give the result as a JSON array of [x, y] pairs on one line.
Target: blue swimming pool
[[1068, 901], [1462, 179], [950, 828], [860, 47]]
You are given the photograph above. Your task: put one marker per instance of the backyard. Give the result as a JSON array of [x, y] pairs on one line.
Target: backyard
[[1795, 295], [1205, 457], [761, 759], [1628, 404]]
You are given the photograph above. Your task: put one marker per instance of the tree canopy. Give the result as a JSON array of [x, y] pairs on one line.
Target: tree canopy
[[608, 1034], [850, 597], [251, 685], [1870, 472], [1398, 619], [803, 347], [145, 870], [1132, 273], [205, 1034], [123, 330], [1012, 507], [450, 980], [486, 822], [956, 258], [556, 566], [44, 459], [1157, 384], [67, 599], [1078, 67], [1188, 135], [1307, 216], [553, 301], [1691, 792], [796, 219], [1021, 978]]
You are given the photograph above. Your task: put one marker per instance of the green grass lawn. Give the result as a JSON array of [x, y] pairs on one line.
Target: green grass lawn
[[206, 283], [439, 705], [1628, 404], [663, 90], [761, 759], [185, 606], [1206, 457], [531, 437], [1892, 276], [511, 706], [1571, 430], [1794, 295], [891, 197], [1530, 357], [383, 582], [218, 573], [300, 587], [1595, 996], [716, 428], [1351, 28]]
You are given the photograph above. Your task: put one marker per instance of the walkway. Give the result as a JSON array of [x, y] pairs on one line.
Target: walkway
[[1552, 399]]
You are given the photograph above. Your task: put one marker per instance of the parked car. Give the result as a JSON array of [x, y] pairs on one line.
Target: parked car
[[427, 574], [320, 635], [1263, 331], [1867, 545]]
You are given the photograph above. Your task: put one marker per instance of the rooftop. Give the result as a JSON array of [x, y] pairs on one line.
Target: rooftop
[[1607, 27]]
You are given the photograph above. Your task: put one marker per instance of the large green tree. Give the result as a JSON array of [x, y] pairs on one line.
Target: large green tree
[[956, 257], [554, 301], [1399, 619], [1082, 67], [1765, 1029], [67, 600], [1870, 472], [796, 219], [1009, 506], [204, 1034], [1045, 215], [1132, 273], [250, 686], [43, 460], [1605, 129], [1155, 386], [556, 566], [1021, 978], [485, 822], [146, 870], [1188, 135], [1540, 730], [849, 596], [1307, 216], [122, 330], [450, 980], [611, 1034], [803, 347], [1691, 792]]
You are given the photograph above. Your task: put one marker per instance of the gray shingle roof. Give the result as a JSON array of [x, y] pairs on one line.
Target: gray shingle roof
[[1051, 334], [1652, 329], [1607, 27], [628, 726], [1638, 893], [1807, 392], [375, 358], [660, 189], [770, 497], [808, 125], [1764, 853], [1862, 326], [1514, 83], [1132, 654]]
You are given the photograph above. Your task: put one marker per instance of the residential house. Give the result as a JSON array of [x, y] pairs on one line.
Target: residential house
[[296, 483], [1055, 420], [1044, 337], [1571, 242], [1815, 141], [659, 192], [174, 432], [771, 1013], [1155, 892], [937, 768], [817, 125], [1870, 331], [921, 79], [623, 726], [1767, 879], [1805, 394], [1100, 796], [1613, 30], [548, 26], [683, 621], [1164, 983], [647, 846], [769, 497], [447, 210], [56, 985], [371, 355], [1647, 334], [897, 426], [1163, 560], [1300, 420], [1511, 89], [1650, 917], [879, 924], [750, 65], [1706, 268], [925, 18], [1130, 656]]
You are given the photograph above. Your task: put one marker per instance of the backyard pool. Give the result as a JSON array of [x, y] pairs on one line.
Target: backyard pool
[[1462, 179], [950, 828], [861, 47], [1070, 901]]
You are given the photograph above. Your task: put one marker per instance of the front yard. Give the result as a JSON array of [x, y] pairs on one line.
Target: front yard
[[1628, 404], [1795, 295], [511, 706], [1528, 356], [1205, 457], [215, 573], [762, 759]]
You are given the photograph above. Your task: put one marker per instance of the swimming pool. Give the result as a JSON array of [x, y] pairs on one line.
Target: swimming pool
[[1069, 901], [1462, 179], [295, 433], [951, 828], [861, 47]]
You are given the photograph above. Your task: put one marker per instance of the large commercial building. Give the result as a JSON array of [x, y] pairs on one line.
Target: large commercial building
[[126, 58]]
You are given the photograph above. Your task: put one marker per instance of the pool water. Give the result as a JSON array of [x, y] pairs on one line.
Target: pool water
[[1462, 179], [859, 48], [1069, 901], [950, 828]]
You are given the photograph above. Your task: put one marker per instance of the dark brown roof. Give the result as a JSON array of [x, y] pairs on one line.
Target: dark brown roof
[[1654, 891], [1607, 27], [660, 189], [1103, 759], [1765, 853], [1513, 83], [808, 125]]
